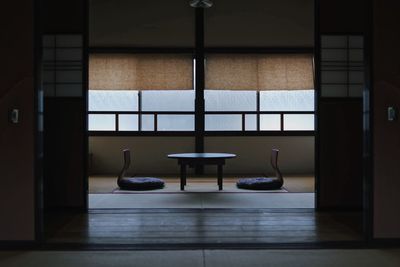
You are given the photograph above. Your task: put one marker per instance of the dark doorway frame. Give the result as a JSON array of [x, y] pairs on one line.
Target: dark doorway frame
[[368, 211]]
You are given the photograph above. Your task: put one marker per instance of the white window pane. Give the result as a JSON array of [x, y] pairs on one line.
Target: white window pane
[[333, 90], [334, 54], [147, 122], [48, 40], [48, 54], [168, 100], [356, 41], [225, 100], [334, 41], [68, 40], [48, 76], [128, 122], [296, 100], [356, 90], [270, 122], [175, 123], [99, 122], [251, 122], [68, 90], [49, 89], [223, 122], [102, 100], [72, 76], [69, 54], [356, 77], [298, 122], [334, 76], [356, 55]]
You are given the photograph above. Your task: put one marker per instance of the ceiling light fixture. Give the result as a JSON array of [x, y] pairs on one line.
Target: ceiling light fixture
[[201, 3]]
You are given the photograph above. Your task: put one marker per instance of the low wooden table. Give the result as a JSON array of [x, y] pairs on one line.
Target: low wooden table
[[195, 159]]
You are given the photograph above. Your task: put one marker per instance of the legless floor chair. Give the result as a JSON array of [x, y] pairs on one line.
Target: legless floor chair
[[264, 183], [136, 183]]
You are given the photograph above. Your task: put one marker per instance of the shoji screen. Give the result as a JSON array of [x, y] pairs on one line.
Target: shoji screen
[[342, 65], [62, 65]]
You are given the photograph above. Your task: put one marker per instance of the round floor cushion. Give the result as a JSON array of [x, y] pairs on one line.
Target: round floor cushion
[[259, 183], [140, 183]]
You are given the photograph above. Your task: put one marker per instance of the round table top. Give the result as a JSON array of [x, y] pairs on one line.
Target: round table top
[[201, 156]]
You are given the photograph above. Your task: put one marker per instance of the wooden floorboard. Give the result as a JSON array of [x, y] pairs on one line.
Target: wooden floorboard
[[202, 227]]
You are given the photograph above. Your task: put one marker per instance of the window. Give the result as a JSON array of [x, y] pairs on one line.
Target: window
[[219, 102], [104, 103], [243, 93], [259, 92], [144, 92]]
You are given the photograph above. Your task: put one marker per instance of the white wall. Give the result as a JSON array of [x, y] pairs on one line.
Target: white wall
[[149, 153], [253, 153]]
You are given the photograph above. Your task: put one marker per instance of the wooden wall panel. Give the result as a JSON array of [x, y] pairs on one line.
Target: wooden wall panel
[[340, 159], [63, 152], [386, 141], [17, 140]]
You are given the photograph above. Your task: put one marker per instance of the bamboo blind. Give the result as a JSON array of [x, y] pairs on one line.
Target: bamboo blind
[[140, 72], [259, 72]]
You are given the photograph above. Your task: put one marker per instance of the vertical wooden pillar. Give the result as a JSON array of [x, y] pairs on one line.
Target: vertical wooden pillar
[[199, 84]]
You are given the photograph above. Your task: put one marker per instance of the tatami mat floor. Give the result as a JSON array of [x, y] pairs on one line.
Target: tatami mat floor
[[201, 193], [293, 184], [202, 201]]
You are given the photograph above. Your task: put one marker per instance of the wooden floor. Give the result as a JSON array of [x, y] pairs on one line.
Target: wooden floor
[[189, 227], [213, 227], [382, 257], [206, 227]]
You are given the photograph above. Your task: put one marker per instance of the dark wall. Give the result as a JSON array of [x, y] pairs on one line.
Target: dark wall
[[17, 140], [63, 16], [340, 120], [160, 23], [272, 23], [386, 141], [156, 23], [343, 16]]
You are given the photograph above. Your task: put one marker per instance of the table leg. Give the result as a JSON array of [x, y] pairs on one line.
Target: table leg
[[183, 176], [220, 176]]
